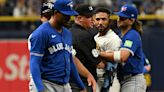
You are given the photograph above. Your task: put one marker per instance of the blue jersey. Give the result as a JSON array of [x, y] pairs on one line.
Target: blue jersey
[[54, 50], [132, 42]]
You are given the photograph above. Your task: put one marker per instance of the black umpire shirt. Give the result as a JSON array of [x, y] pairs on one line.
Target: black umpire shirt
[[83, 43]]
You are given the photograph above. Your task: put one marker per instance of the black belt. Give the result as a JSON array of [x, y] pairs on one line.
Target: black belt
[[129, 75], [56, 82]]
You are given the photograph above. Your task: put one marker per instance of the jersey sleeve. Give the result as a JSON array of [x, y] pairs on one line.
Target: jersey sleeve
[[37, 43], [131, 43]]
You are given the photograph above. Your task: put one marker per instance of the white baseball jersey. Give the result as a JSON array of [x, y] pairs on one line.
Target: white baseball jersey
[[109, 42]]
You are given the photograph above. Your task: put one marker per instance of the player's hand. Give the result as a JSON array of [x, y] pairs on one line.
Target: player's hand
[[91, 82]]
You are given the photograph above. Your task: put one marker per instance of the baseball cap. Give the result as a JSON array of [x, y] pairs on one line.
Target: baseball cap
[[84, 10], [47, 7], [127, 11], [65, 7]]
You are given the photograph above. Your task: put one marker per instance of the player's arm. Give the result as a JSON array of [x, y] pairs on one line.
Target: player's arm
[[36, 45], [80, 67], [147, 65], [85, 73], [127, 49], [147, 68], [75, 75], [117, 56], [35, 71]]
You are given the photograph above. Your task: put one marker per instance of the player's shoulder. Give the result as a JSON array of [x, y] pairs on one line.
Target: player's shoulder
[[41, 30], [76, 29], [112, 34], [133, 34], [66, 30]]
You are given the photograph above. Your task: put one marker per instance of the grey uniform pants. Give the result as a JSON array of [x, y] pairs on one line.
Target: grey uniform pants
[[50, 87], [135, 83]]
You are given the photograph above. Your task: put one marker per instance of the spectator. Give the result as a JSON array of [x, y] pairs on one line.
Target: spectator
[[20, 9]]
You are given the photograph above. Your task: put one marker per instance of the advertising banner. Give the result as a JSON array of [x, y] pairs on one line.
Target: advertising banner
[[14, 66]]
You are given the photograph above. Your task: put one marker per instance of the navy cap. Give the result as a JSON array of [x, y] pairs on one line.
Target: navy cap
[[47, 7], [127, 11], [84, 9], [65, 7]]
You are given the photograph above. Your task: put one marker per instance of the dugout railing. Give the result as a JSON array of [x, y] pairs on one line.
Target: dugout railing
[[35, 18]]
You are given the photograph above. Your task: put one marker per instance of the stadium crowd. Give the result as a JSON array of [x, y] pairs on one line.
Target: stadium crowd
[[32, 8]]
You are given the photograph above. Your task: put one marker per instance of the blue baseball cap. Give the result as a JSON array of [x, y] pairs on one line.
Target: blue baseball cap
[[127, 11], [65, 7]]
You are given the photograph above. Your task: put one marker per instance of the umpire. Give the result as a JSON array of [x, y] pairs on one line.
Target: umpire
[[83, 41]]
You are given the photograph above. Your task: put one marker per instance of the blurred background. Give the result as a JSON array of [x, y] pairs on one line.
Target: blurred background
[[18, 18]]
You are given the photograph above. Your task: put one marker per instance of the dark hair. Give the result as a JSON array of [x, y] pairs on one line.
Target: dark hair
[[102, 9], [137, 25], [47, 14], [47, 10]]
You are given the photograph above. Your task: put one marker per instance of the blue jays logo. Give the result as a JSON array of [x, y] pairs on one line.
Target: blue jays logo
[[123, 9], [70, 5]]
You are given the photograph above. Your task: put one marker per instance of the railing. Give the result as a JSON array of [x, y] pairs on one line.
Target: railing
[[36, 18]]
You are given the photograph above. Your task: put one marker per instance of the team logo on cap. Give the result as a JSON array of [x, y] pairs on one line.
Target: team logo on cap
[[132, 15], [123, 9], [90, 8], [70, 5]]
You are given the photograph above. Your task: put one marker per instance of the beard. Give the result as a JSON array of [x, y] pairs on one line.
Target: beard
[[64, 21], [103, 29], [123, 26]]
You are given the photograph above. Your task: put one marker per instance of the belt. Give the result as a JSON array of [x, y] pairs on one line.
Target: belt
[[56, 82], [59, 83], [129, 75]]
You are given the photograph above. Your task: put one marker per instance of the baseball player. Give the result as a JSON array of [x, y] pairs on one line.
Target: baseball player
[[130, 56], [46, 12], [107, 40], [50, 45]]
